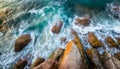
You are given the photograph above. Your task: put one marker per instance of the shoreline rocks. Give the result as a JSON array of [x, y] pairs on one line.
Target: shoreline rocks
[[110, 42], [94, 58], [79, 46], [20, 64], [118, 40], [56, 55], [37, 62], [72, 59], [93, 40], [48, 64], [21, 42], [117, 55], [82, 21], [57, 27]]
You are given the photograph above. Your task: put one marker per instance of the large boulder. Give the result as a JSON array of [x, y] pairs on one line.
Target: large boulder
[[21, 42], [94, 59], [56, 55], [57, 27], [117, 55], [37, 62], [93, 40], [20, 64], [108, 62], [72, 58], [48, 64], [82, 21], [110, 42], [79, 46]]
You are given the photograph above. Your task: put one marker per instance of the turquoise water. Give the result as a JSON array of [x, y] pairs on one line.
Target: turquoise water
[[36, 17]]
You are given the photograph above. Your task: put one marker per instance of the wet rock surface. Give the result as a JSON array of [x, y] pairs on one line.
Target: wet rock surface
[[82, 21], [37, 62], [94, 58], [57, 27], [57, 54], [21, 42], [93, 40], [117, 55], [118, 40], [20, 64], [72, 59], [48, 64], [110, 42]]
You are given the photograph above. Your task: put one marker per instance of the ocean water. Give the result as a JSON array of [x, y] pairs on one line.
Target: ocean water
[[36, 17]]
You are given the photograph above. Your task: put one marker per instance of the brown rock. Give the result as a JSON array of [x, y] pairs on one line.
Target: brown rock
[[21, 63], [110, 42], [93, 40], [79, 46], [48, 64], [116, 62], [92, 55], [37, 62], [72, 59], [117, 55], [21, 42], [57, 27], [83, 21], [56, 54], [118, 40], [108, 62]]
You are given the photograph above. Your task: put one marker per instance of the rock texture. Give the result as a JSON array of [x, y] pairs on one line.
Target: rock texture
[[94, 58], [108, 62], [37, 62], [48, 64], [110, 42], [72, 59], [79, 46], [56, 54], [57, 27], [118, 40], [117, 55], [21, 63], [93, 40], [83, 21], [21, 42]]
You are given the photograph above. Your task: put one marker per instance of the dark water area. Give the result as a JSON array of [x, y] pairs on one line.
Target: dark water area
[[37, 17]]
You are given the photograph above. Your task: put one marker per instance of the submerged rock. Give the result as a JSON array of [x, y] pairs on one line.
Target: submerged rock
[[110, 42], [37, 62], [117, 55], [63, 39], [82, 21], [21, 63], [94, 58], [72, 58], [48, 64], [57, 27], [56, 54], [93, 40], [21, 42]]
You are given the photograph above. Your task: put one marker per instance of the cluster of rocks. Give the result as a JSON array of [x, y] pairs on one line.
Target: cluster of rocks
[[74, 56]]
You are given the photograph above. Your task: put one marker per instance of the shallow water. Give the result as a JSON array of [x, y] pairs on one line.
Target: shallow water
[[37, 18]]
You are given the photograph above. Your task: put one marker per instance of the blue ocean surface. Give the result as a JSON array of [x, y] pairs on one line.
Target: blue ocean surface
[[37, 17]]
